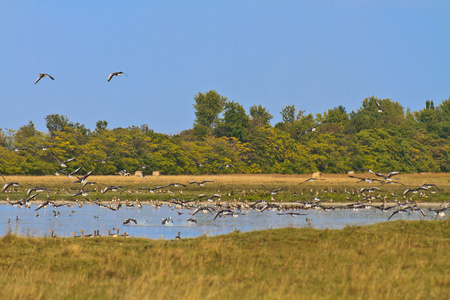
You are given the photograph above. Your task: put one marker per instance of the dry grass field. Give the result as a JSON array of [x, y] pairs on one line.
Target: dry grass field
[[334, 187], [394, 260]]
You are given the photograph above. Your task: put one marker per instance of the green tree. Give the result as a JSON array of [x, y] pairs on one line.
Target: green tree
[[368, 116], [288, 114], [260, 116], [101, 125], [235, 122], [208, 108], [56, 122]]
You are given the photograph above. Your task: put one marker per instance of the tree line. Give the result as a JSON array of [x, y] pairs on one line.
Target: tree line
[[223, 133]]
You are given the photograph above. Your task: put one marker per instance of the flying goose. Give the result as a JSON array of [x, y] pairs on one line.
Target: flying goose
[[293, 214], [368, 180], [115, 74], [63, 163], [103, 161], [200, 164], [272, 192], [166, 220], [225, 212], [129, 221], [43, 75], [37, 190], [112, 188], [211, 198], [70, 175], [414, 191], [309, 130], [386, 177], [204, 209], [380, 109], [430, 185], [226, 166], [9, 184], [310, 179], [175, 184], [83, 178], [392, 182], [201, 183], [400, 210]]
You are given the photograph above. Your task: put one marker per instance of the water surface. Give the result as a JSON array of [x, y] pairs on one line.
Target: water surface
[[91, 217]]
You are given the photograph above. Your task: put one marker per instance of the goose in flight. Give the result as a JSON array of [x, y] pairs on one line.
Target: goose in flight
[[309, 130], [63, 163], [43, 75], [293, 214], [380, 109], [116, 74], [112, 188], [83, 179], [368, 180], [399, 211], [226, 166], [388, 176], [103, 161], [9, 184], [175, 184], [201, 183], [129, 221], [310, 179], [225, 212], [272, 192], [430, 185], [70, 175], [200, 164], [414, 191]]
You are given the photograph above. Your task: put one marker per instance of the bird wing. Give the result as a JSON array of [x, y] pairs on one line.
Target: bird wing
[[111, 76], [395, 212], [69, 160], [55, 157], [39, 78]]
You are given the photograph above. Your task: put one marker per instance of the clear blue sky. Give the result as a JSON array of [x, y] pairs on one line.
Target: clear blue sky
[[313, 54]]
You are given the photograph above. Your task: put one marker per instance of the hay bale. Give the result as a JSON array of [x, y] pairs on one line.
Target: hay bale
[[156, 173], [317, 175], [351, 173], [139, 174]]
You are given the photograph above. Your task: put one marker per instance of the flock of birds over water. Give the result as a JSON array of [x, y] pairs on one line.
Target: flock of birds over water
[[216, 205]]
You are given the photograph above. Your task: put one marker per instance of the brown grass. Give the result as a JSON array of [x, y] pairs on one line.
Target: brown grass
[[235, 184], [394, 260]]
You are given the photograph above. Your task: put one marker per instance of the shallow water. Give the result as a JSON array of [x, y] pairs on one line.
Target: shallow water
[[91, 217]]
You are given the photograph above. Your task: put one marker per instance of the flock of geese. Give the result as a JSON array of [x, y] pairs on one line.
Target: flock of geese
[[229, 206], [42, 75]]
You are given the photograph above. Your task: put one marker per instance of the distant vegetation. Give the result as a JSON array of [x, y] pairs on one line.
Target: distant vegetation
[[223, 133]]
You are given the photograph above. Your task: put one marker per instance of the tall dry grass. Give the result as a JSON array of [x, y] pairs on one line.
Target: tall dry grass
[[394, 260]]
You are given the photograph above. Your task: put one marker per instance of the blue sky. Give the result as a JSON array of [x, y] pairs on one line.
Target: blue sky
[[314, 54]]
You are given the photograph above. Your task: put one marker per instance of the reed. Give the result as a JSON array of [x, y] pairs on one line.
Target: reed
[[400, 259]]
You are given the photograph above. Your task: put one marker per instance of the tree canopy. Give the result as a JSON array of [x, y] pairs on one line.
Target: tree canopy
[[386, 139]]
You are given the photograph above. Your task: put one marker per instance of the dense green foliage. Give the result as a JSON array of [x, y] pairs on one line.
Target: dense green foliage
[[387, 140]]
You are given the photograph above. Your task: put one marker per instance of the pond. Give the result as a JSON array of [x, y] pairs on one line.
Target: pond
[[90, 217]]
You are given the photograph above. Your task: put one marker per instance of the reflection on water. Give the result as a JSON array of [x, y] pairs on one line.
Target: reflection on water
[[90, 218]]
